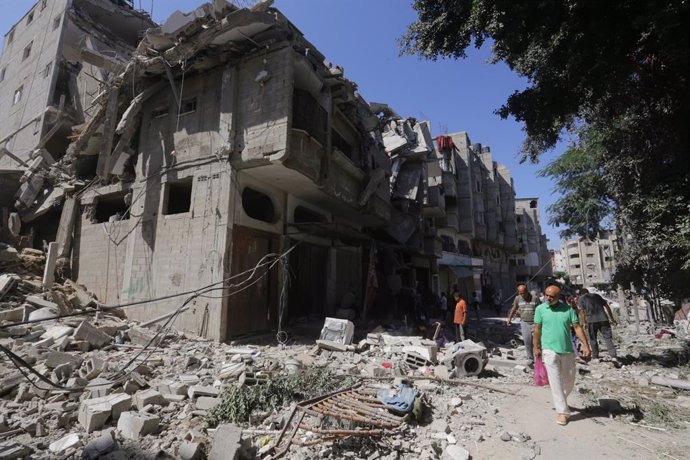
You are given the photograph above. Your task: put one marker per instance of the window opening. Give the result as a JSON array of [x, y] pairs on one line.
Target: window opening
[[111, 208], [18, 95], [306, 215], [258, 205], [178, 197], [159, 112], [27, 51], [188, 106]]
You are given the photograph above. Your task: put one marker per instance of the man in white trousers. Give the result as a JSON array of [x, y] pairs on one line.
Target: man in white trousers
[[552, 322]]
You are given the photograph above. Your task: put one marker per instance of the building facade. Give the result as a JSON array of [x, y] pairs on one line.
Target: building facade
[[591, 262], [222, 151]]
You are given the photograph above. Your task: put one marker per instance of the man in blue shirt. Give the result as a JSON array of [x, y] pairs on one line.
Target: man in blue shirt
[[552, 322]]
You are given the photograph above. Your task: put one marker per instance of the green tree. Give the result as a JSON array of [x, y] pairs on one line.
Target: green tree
[[620, 72]]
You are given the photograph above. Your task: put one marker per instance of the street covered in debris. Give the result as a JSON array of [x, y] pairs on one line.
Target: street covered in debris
[[95, 385], [212, 246]]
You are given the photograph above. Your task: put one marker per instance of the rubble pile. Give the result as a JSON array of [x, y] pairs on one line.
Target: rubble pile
[[92, 385]]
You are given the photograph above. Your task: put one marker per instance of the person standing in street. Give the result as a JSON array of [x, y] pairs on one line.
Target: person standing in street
[[460, 318], [476, 306], [598, 317], [524, 306], [552, 322]]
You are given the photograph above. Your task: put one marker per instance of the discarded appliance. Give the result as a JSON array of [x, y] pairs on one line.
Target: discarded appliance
[[466, 358], [337, 330]]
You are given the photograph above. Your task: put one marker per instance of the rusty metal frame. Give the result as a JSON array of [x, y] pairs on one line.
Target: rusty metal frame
[[357, 405]]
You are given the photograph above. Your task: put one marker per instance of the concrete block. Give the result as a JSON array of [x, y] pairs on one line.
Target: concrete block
[[133, 425], [94, 413], [44, 313], [226, 443], [92, 368], [331, 346], [90, 334], [143, 398], [49, 270]]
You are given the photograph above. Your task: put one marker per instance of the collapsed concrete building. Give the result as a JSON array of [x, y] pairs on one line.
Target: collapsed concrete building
[[164, 159]]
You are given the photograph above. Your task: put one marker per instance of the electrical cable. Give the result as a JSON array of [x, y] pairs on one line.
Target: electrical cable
[[20, 363], [105, 307]]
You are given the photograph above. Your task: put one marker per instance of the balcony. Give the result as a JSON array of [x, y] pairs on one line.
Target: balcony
[[434, 202], [450, 187]]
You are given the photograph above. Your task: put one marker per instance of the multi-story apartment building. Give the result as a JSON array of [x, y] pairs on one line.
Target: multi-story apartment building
[[558, 262], [52, 65], [483, 230], [195, 154], [533, 264], [591, 262]]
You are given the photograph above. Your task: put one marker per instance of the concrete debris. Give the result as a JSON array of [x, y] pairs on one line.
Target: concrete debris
[[134, 425], [226, 443], [337, 330]]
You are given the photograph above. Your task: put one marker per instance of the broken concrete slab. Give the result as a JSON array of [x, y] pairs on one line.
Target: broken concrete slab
[[226, 443], [90, 334], [455, 452], [49, 271], [133, 425], [202, 390], [56, 332], [14, 450], [206, 403], [61, 445], [189, 451], [56, 358]]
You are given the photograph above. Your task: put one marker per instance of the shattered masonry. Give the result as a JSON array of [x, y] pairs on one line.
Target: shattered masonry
[[165, 163]]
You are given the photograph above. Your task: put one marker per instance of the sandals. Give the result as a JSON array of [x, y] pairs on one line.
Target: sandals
[[562, 419]]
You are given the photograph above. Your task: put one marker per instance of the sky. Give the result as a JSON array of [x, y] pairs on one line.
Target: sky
[[362, 37]]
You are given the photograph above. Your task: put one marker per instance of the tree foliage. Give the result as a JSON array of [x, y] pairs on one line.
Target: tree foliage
[[620, 71]]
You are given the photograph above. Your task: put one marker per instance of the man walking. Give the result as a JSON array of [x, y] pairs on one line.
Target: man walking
[[552, 323], [598, 318], [460, 318], [524, 306]]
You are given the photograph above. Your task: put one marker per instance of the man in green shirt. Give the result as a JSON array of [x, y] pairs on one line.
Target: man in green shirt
[[552, 322]]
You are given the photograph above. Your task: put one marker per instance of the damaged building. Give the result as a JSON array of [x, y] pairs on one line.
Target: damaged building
[[222, 149]]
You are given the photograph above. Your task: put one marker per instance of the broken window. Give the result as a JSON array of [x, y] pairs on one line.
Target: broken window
[[27, 51], [56, 22], [178, 196], [258, 205], [306, 215], [533, 204], [2, 73], [10, 36], [46, 69], [111, 208], [18, 95], [188, 106], [309, 116], [30, 18], [159, 112]]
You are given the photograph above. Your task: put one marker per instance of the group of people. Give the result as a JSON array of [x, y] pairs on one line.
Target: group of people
[[548, 327]]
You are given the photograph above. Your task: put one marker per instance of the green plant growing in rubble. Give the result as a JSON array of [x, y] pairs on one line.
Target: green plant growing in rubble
[[238, 402]]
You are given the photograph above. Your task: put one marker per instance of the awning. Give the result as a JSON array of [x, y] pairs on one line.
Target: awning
[[461, 272]]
